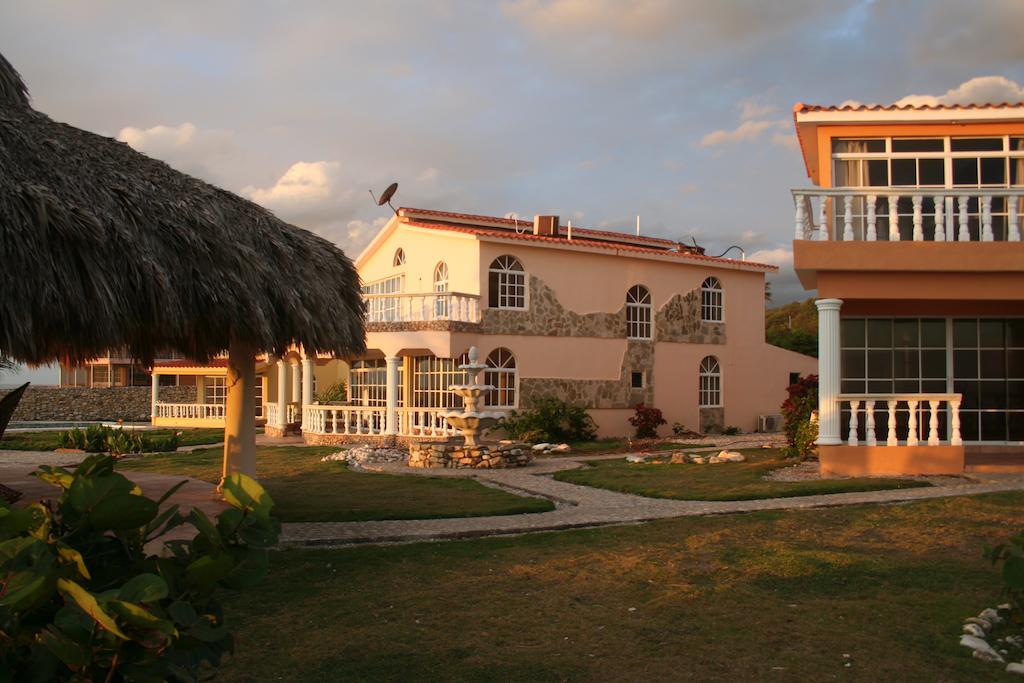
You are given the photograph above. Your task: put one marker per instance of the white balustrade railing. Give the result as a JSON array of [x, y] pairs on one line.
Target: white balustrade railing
[[873, 214], [923, 418], [401, 307], [371, 420], [273, 415], [294, 413], [191, 411]]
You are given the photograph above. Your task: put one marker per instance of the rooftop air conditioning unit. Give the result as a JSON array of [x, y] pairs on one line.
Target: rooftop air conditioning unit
[[769, 423]]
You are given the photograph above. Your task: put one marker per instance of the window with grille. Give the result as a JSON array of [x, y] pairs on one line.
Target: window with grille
[[440, 287], [368, 383], [710, 383], [501, 374], [381, 308], [100, 375], [399, 259], [432, 378], [711, 301], [506, 283], [216, 390], [638, 313]]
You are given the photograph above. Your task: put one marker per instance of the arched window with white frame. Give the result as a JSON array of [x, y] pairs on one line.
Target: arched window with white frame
[[506, 283], [399, 259], [638, 312], [440, 290], [711, 308], [501, 374], [710, 394]]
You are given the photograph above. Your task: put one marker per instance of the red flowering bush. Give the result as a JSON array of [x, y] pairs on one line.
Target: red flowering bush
[[796, 412], [646, 421]]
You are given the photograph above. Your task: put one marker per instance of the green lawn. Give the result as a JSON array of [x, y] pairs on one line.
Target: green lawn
[[616, 445], [861, 593], [723, 481], [305, 489], [47, 440]]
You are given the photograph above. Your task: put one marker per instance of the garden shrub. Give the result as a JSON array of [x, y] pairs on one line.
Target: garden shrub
[[796, 411], [1011, 555], [336, 393], [646, 421], [103, 439], [731, 430], [82, 599], [551, 420]]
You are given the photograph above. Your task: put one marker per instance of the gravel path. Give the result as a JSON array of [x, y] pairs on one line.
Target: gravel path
[[583, 506]]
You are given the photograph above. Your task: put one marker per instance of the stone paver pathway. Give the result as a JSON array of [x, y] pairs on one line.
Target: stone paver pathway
[[583, 506]]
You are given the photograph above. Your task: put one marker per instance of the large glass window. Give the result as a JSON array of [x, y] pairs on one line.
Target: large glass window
[[988, 369], [433, 377], [711, 308], [501, 374], [710, 394], [216, 390], [382, 304], [368, 383], [441, 287], [506, 283], [638, 313]]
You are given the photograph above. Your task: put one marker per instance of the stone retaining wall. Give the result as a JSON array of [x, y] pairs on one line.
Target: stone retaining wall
[[425, 455], [375, 440], [73, 404]]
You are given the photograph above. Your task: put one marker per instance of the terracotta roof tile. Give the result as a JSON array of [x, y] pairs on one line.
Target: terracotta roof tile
[[802, 108], [215, 363]]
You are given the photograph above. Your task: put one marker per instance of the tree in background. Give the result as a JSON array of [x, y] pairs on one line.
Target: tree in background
[[793, 326]]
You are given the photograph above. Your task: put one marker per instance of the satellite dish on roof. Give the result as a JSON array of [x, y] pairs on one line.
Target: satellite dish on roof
[[386, 195]]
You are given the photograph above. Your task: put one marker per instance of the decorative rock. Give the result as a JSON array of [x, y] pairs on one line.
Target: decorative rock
[[974, 630], [541, 446], [678, 459], [982, 650], [730, 456], [1015, 668], [983, 623], [363, 455], [562, 448], [636, 459], [714, 459], [697, 459], [991, 615]]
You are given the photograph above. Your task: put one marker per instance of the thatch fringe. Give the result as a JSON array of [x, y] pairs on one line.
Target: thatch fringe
[[102, 247]]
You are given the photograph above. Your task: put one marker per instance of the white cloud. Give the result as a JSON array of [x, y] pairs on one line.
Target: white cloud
[[304, 183], [978, 90], [186, 147], [428, 175], [751, 109], [780, 256], [747, 130]]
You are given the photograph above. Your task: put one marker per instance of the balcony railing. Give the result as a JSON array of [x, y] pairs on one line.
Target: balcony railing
[[372, 420], [190, 411], [401, 307], [876, 214], [923, 413]]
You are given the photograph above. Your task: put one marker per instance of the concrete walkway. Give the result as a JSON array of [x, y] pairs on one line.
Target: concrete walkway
[[584, 506]]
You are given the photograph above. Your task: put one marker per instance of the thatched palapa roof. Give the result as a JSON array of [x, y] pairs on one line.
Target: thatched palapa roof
[[102, 247]]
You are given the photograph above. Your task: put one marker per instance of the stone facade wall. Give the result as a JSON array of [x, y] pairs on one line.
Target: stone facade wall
[[376, 440], [598, 393], [424, 326], [712, 420], [475, 457], [70, 404], [679, 321]]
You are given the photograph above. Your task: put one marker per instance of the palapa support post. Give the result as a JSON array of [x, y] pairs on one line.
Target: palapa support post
[[240, 411]]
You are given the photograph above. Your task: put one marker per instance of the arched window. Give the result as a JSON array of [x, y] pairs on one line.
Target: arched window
[[399, 259], [638, 313], [711, 301], [501, 374], [506, 283], [710, 383], [441, 286]]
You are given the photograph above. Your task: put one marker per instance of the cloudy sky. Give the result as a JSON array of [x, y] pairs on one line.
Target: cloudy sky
[[596, 110]]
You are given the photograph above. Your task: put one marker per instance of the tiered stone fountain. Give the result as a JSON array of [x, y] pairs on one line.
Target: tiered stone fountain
[[472, 421]]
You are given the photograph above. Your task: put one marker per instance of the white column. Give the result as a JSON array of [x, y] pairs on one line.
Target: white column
[[828, 371], [296, 395], [282, 393], [155, 383], [307, 381], [391, 395]]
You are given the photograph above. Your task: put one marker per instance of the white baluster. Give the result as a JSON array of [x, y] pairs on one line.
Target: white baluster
[[965, 230], [869, 423], [872, 231], [892, 440], [940, 220], [346, 421], [894, 218], [1013, 219], [823, 219], [854, 407], [912, 424], [986, 219], [848, 218], [933, 423], [954, 437], [798, 228], [918, 218]]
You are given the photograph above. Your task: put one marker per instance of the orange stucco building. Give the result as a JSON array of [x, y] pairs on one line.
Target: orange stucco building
[[912, 239]]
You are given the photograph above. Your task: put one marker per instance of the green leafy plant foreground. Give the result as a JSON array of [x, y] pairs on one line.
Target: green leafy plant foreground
[[1011, 556], [82, 600], [336, 393], [103, 439], [551, 419]]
